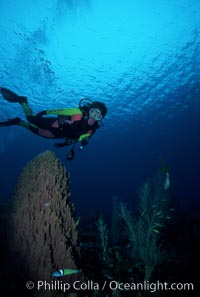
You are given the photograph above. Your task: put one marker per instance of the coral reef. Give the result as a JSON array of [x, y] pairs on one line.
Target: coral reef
[[42, 229]]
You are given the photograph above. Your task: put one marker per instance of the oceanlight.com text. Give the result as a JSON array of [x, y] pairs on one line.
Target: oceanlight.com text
[[108, 285], [151, 286]]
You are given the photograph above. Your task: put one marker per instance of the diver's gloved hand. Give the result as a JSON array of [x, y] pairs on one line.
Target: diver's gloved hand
[[41, 113], [84, 142]]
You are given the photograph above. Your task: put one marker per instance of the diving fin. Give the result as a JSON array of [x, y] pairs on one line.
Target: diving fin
[[10, 122], [12, 97]]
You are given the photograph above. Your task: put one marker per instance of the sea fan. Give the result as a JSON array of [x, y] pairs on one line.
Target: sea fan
[[144, 229]]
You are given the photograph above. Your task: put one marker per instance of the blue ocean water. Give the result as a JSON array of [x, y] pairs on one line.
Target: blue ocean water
[[141, 58]]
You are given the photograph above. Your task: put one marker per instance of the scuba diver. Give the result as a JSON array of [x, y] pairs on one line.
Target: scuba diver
[[73, 124]]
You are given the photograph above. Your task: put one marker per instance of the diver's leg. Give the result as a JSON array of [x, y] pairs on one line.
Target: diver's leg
[[11, 122], [19, 122], [27, 110], [30, 127], [42, 126], [46, 133]]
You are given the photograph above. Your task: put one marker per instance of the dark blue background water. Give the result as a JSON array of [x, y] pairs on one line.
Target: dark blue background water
[[141, 59]]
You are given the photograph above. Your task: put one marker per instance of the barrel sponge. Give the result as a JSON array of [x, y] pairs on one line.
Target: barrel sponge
[[43, 230]]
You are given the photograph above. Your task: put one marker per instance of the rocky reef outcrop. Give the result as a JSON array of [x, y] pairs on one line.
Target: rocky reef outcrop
[[41, 229]]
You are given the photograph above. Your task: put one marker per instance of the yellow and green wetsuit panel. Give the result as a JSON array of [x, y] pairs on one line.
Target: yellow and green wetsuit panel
[[65, 111]]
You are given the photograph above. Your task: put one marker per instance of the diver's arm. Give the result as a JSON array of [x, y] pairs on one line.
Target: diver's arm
[[84, 140], [84, 136]]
